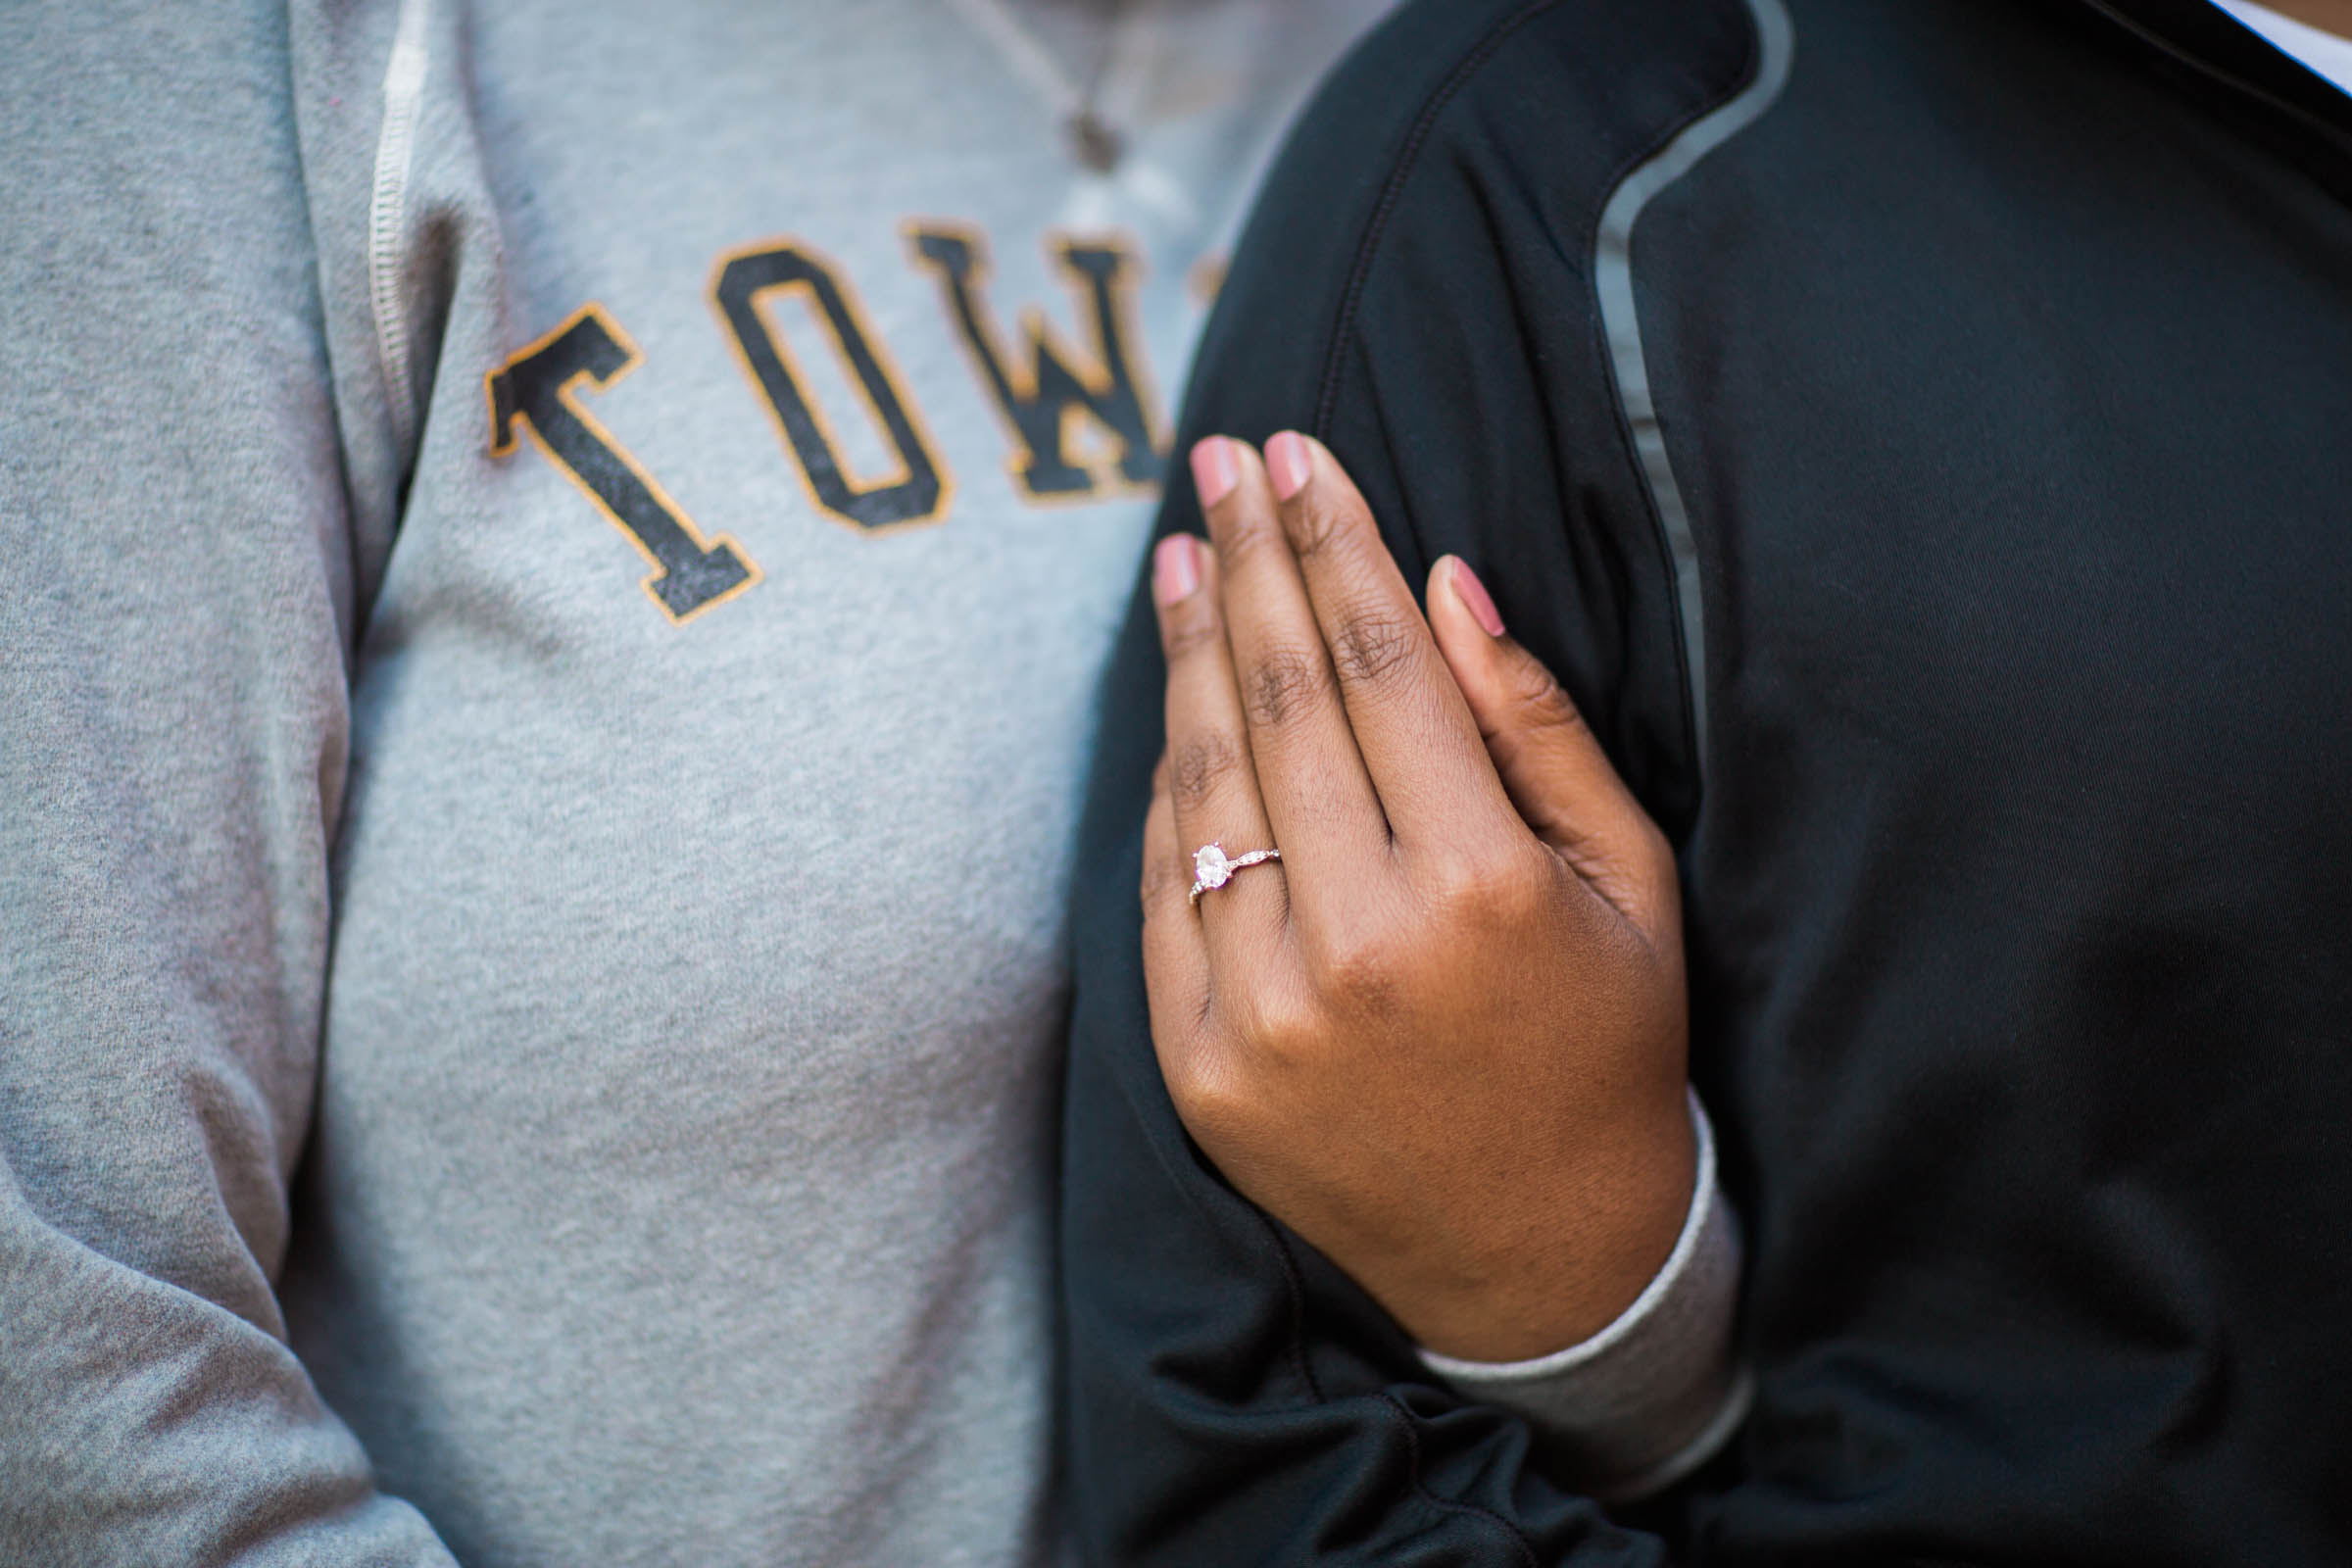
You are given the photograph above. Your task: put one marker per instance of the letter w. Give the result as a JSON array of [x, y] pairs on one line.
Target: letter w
[[1039, 400]]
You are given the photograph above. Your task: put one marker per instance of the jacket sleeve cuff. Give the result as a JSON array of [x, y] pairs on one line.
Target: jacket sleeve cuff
[[1654, 1396]]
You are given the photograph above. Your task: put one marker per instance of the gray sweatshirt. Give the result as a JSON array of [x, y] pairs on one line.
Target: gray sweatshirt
[[552, 564]]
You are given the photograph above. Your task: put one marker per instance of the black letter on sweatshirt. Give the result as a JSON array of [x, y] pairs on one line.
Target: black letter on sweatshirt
[[1039, 400], [917, 492], [540, 387]]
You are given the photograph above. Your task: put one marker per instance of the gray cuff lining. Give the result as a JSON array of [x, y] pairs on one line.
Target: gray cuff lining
[[1655, 1394]]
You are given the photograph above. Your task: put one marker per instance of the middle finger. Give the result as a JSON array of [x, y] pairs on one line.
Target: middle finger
[[1310, 774], [1421, 749]]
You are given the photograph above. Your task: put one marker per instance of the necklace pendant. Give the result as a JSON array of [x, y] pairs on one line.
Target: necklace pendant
[[1094, 143]]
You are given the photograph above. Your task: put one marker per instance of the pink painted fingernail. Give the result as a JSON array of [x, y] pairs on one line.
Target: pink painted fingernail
[[1288, 464], [1175, 568], [1473, 595], [1214, 470]]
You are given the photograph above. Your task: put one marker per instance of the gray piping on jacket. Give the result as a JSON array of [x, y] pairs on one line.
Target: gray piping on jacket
[[1613, 276]]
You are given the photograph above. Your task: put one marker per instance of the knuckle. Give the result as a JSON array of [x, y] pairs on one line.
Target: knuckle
[[1316, 526], [1284, 683], [1198, 766], [1484, 889], [1244, 532], [1360, 967], [1657, 894], [1281, 1023], [1372, 646], [1654, 852], [1212, 1099], [1544, 700], [1190, 628], [1161, 881]]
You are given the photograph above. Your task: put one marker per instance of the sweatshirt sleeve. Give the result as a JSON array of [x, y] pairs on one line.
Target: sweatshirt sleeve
[[1417, 288], [175, 606], [1657, 1392]]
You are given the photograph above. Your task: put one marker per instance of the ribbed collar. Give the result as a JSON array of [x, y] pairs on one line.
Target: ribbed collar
[[2304, 116]]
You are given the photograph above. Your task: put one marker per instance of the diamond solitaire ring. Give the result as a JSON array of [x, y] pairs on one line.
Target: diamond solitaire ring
[[1213, 870]]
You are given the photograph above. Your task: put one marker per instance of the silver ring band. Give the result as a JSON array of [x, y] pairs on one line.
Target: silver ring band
[[1212, 869]]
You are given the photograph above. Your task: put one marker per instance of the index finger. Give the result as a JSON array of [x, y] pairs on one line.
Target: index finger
[[1419, 740]]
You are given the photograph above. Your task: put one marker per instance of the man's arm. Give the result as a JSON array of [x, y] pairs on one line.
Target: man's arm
[[1417, 291], [175, 606]]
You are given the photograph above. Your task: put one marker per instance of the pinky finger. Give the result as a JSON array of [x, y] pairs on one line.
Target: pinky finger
[[1175, 951]]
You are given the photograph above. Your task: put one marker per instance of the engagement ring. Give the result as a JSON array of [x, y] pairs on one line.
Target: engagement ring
[[1213, 870]]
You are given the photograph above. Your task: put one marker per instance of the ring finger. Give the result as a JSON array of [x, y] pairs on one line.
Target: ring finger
[[1210, 779], [1303, 752]]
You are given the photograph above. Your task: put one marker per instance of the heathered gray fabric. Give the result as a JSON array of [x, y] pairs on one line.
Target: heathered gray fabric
[[485, 1069], [486, 1072]]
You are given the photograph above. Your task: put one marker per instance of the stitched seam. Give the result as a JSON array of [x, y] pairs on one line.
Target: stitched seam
[[1294, 1283], [387, 210], [1359, 277], [1411, 1425], [1359, 271]]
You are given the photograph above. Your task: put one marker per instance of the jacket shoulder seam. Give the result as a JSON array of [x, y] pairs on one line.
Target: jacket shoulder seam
[[1359, 267]]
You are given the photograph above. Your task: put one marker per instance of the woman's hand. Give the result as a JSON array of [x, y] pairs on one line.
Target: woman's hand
[[1441, 1038]]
